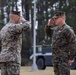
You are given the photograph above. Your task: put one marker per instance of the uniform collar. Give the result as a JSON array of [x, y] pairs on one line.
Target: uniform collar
[[61, 26]]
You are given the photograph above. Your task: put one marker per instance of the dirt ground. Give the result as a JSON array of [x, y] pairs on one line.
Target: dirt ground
[[27, 70], [48, 71]]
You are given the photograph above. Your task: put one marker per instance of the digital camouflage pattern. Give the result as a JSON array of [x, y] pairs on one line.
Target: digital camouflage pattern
[[10, 68], [64, 49], [48, 31], [11, 40]]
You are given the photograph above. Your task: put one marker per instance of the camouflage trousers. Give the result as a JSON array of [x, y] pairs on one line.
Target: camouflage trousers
[[61, 68], [10, 68]]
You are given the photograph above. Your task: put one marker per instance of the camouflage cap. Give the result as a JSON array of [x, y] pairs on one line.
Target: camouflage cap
[[58, 13], [15, 12]]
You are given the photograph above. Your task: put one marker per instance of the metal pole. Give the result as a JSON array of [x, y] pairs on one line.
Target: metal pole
[[34, 66]]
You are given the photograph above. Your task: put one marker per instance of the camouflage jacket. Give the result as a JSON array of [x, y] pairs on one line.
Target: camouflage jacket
[[63, 43], [11, 40]]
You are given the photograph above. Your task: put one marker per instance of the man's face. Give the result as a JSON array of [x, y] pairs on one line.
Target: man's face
[[59, 20]]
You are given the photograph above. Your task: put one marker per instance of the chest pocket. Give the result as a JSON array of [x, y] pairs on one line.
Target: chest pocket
[[60, 39]]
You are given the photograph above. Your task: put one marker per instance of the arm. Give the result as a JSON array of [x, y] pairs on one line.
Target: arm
[[23, 25], [26, 25], [0, 42], [48, 29], [71, 38]]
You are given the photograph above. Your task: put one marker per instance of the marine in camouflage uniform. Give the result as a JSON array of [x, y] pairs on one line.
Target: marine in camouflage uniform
[[11, 39], [63, 45]]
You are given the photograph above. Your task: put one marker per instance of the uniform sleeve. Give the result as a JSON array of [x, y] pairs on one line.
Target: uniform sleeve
[[71, 37], [0, 42], [0, 35], [23, 26]]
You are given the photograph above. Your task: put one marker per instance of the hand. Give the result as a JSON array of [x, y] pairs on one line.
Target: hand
[[70, 61], [21, 19], [51, 22]]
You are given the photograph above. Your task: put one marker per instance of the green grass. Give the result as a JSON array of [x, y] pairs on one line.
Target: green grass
[[48, 71]]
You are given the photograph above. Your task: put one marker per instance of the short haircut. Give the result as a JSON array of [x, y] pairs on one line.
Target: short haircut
[[58, 14], [15, 12]]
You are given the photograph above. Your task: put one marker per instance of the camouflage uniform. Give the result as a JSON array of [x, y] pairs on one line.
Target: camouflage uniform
[[11, 39], [64, 46]]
